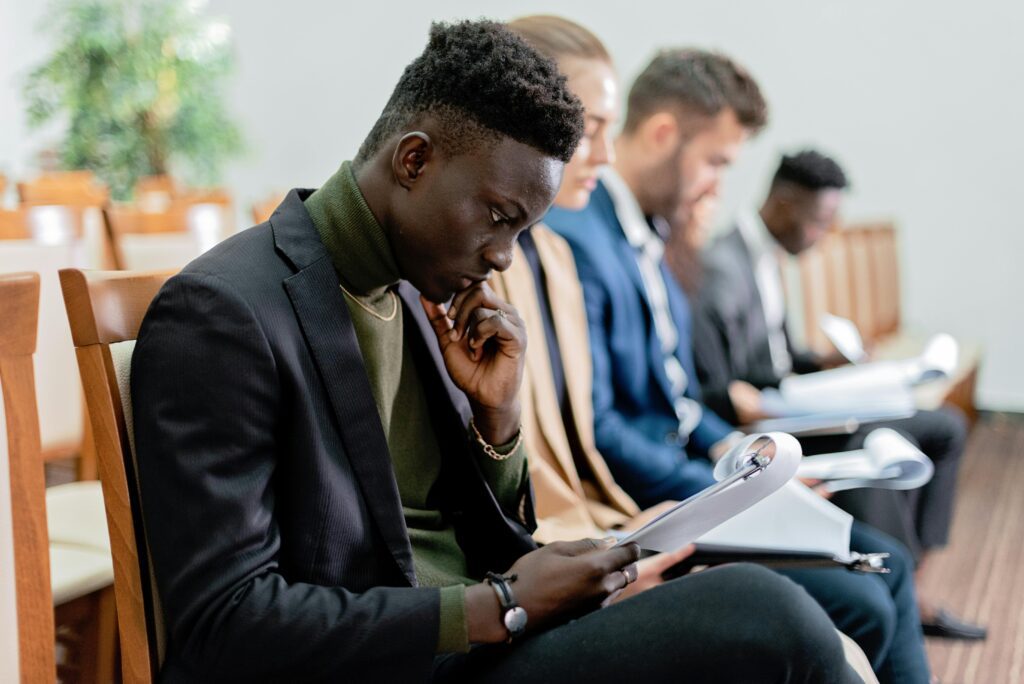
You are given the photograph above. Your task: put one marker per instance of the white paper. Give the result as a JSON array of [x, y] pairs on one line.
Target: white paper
[[694, 517], [844, 336], [887, 461], [792, 519]]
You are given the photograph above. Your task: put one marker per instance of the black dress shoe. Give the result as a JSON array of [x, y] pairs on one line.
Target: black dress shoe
[[945, 625]]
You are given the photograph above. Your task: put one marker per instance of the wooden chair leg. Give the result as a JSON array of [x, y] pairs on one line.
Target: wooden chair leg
[[87, 639], [106, 628]]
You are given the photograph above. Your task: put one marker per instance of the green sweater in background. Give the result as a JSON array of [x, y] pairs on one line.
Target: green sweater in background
[[366, 267]]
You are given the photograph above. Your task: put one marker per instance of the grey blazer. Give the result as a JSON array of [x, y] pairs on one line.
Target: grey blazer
[[730, 333]]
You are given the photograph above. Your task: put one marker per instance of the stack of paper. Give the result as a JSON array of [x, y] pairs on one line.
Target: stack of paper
[[887, 461], [938, 359], [864, 392]]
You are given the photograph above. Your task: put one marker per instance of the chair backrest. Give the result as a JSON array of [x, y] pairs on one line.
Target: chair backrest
[[105, 310], [886, 275], [56, 371], [863, 285], [65, 206], [14, 224], [168, 237], [19, 310]]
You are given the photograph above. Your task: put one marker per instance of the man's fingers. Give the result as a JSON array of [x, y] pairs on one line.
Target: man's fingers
[[489, 323], [618, 557], [437, 315], [580, 546], [656, 565]]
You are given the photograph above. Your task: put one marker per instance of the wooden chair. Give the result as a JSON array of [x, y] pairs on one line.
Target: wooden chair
[[19, 310], [863, 287], [814, 291], [64, 429], [262, 210], [144, 240], [68, 203], [64, 188], [62, 581], [14, 224], [885, 260], [166, 233], [105, 310]]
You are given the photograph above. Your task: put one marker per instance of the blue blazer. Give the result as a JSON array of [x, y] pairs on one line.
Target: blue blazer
[[634, 423]]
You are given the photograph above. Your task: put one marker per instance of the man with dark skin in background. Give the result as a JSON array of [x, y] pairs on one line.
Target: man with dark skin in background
[[743, 345]]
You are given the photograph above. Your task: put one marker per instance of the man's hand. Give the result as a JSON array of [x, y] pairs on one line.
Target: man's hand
[[650, 571], [746, 401], [559, 579], [483, 342], [817, 486]]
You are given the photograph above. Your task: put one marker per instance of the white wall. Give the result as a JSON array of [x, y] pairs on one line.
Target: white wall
[[921, 101]]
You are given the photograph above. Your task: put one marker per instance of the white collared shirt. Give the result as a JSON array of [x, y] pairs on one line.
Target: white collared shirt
[[764, 259]]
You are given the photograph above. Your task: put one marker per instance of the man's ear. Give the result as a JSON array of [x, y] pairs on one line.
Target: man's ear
[[661, 131], [412, 154]]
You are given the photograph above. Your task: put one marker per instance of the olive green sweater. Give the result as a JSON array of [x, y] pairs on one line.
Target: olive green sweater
[[368, 273]]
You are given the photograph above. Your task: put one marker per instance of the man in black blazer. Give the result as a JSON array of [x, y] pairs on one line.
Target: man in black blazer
[[330, 461], [742, 345]]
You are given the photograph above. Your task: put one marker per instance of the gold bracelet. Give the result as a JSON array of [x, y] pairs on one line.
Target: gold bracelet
[[491, 451]]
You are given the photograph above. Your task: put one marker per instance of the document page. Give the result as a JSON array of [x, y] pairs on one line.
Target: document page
[[792, 519], [887, 461], [690, 519]]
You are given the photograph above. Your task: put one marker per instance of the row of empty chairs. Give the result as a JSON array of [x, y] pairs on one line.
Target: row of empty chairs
[[55, 539], [62, 221]]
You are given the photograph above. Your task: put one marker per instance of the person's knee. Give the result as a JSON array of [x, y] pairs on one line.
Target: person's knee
[[946, 433], [793, 633]]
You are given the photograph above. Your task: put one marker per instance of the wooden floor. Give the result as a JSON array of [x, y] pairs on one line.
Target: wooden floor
[[980, 575]]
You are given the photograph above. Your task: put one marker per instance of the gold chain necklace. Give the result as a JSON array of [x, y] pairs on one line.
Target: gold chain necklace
[[364, 307]]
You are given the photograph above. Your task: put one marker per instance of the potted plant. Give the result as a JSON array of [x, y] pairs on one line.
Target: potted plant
[[139, 85]]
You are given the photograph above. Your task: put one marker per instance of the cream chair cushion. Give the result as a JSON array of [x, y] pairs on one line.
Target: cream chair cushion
[[75, 515], [76, 571]]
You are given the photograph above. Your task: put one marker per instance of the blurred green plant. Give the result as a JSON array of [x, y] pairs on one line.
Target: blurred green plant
[[139, 85]]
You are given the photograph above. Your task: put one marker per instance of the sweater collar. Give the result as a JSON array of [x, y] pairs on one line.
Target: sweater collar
[[355, 240]]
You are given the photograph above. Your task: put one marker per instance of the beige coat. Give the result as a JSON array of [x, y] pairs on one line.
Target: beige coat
[[567, 508]]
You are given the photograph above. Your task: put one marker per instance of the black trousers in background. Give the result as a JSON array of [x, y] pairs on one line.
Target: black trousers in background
[[737, 623], [919, 518]]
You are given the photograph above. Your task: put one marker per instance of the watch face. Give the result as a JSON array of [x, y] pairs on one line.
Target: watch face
[[515, 620]]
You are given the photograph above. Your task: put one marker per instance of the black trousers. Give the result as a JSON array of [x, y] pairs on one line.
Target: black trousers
[[737, 623], [919, 518]]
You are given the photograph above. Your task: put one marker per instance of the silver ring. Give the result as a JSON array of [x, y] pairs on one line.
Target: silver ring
[[500, 313], [631, 573]]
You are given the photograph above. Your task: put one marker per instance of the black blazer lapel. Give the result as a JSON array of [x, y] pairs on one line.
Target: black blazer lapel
[[324, 318]]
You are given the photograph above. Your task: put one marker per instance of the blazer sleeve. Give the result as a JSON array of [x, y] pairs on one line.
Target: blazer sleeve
[[711, 359], [208, 403]]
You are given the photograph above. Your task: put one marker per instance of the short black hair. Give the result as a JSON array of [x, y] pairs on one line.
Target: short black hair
[[811, 170], [693, 81], [482, 81]]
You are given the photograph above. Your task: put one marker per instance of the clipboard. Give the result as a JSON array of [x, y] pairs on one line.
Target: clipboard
[[753, 469], [710, 555]]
